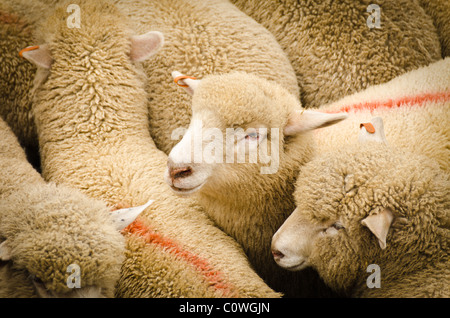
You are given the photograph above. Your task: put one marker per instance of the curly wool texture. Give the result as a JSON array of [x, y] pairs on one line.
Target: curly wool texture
[[245, 203], [418, 125], [94, 136], [347, 185], [60, 228], [49, 227], [17, 23], [414, 108], [201, 38], [439, 10], [333, 51]]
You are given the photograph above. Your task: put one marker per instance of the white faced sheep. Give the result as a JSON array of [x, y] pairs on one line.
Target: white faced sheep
[[342, 47], [372, 220], [243, 198], [202, 38], [90, 110], [238, 197], [45, 229]]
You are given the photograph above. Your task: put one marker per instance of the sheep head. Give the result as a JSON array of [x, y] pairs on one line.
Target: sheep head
[[240, 125], [367, 204], [61, 234]]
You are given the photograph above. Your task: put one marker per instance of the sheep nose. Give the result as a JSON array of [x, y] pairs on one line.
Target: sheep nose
[[179, 173], [277, 255]]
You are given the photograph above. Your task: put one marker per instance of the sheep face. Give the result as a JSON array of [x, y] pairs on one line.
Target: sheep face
[[239, 127], [364, 205]]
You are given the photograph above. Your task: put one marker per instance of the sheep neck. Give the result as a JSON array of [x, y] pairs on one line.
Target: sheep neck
[[15, 171], [252, 217], [93, 132]]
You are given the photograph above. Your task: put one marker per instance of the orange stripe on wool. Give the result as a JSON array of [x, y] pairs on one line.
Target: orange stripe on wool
[[417, 100], [213, 277]]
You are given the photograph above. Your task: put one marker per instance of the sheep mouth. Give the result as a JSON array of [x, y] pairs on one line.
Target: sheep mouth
[[186, 191], [295, 267]]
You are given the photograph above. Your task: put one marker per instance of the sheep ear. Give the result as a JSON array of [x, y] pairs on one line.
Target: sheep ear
[[124, 217], [145, 45], [38, 55], [189, 83], [379, 224], [303, 121], [372, 131], [5, 252]]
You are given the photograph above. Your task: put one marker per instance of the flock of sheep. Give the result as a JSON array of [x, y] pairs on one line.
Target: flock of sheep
[[88, 115]]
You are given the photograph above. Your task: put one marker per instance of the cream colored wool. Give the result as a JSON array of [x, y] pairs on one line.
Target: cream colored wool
[[350, 184], [250, 209], [439, 11], [92, 123], [201, 38], [333, 51], [47, 228], [246, 204], [415, 127]]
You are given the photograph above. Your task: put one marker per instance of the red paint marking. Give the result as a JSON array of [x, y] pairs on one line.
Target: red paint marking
[[418, 100], [213, 277], [27, 49]]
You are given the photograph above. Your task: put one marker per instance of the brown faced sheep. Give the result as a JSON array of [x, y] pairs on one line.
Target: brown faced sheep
[[371, 210], [91, 110], [337, 48]]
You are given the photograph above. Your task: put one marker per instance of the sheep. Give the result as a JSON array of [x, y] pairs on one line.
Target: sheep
[[249, 208], [45, 228], [202, 38], [94, 136], [373, 220], [337, 48], [414, 107], [243, 206]]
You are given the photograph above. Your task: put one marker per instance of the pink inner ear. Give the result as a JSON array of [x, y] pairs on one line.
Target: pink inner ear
[[291, 127], [40, 56], [307, 120], [145, 45], [189, 83], [379, 224]]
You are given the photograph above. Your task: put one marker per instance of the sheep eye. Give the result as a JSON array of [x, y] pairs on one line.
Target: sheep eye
[[337, 226], [252, 136]]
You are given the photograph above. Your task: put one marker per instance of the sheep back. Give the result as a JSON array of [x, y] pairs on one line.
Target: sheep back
[[333, 50]]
